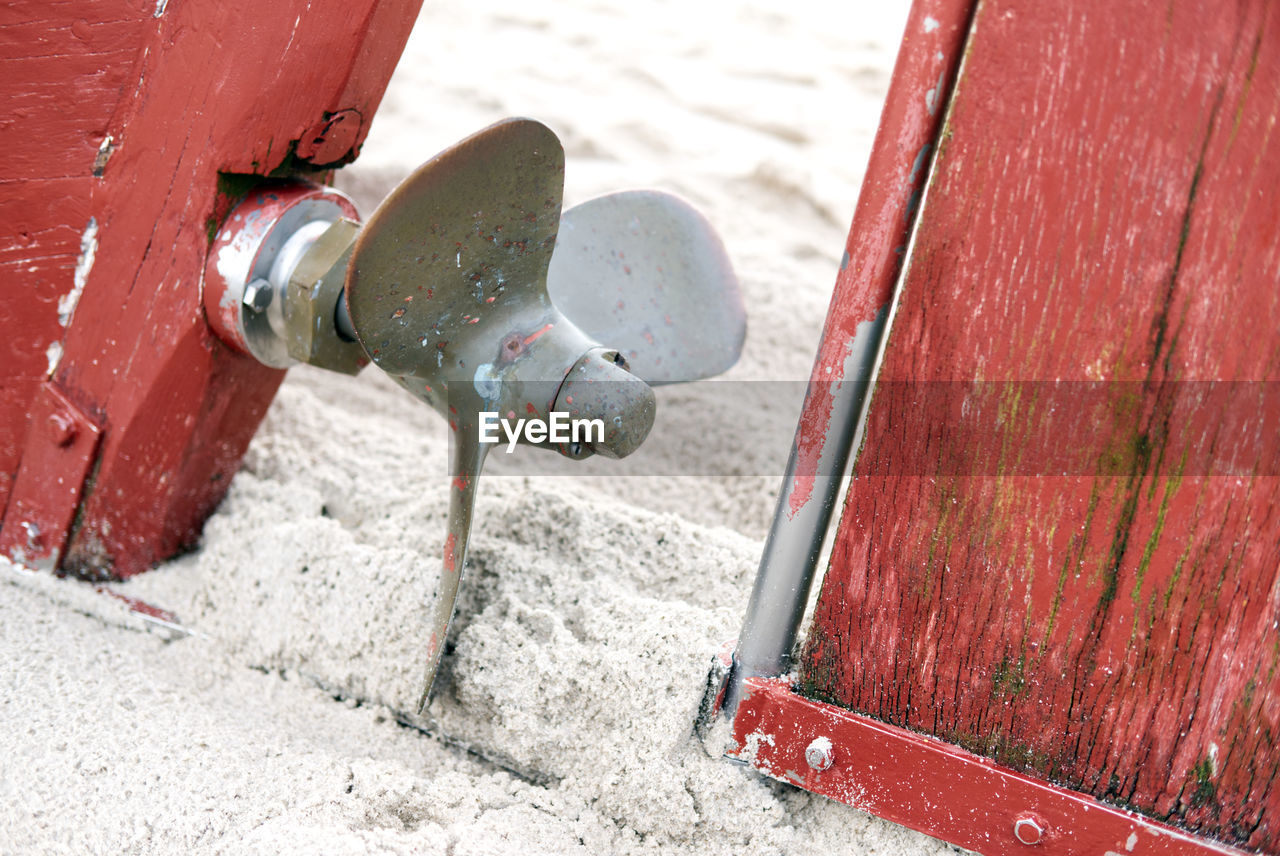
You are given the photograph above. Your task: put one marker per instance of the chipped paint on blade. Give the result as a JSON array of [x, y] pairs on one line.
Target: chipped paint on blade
[[468, 460]]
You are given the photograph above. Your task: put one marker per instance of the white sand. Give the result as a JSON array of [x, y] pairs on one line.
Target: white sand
[[562, 722]]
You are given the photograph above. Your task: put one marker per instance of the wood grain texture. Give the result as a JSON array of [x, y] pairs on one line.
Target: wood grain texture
[[63, 71], [1103, 212], [186, 93]]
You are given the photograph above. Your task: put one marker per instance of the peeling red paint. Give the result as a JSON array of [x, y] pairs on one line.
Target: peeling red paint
[[882, 220], [811, 437]]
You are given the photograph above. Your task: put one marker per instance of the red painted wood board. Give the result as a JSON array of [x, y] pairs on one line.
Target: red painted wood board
[[1092, 290], [64, 68], [132, 127]]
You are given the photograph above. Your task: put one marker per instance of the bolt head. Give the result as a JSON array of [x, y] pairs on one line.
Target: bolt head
[[63, 429], [820, 754], [35, 541], [1028, 829], [257, 295]]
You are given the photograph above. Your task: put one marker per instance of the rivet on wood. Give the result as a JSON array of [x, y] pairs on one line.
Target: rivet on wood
[[63, 429], [35, 541], [1028, 829], [820, 754]]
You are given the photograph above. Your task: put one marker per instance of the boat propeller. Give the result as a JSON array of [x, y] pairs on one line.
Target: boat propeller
[[471, 288]]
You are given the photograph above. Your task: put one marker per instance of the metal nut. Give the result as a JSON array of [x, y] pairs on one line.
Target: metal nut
[[257, 295], [311, 299], [820, 754], [1028, 829]]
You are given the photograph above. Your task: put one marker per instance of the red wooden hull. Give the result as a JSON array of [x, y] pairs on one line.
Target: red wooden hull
[[132, 128], [1101, 211]]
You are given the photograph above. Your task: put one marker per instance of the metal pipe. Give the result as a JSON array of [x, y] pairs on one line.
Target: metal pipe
[[896, 176], [800, 523]]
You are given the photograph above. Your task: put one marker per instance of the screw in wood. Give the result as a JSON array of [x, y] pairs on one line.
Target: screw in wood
[[1028, 829], [820, 754]]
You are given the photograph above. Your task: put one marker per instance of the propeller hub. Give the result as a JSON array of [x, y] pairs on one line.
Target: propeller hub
[[256, 252], [599, 386]]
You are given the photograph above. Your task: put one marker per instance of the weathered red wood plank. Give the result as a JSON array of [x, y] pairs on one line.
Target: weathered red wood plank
[[63, 69], [1102, 209], [66, 67], [185, 93], [261, 90]]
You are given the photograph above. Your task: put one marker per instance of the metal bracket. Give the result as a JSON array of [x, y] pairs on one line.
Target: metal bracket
[[57, 457], [934, 787]]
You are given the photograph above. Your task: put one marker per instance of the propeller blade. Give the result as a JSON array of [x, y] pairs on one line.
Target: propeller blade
[[446, 291], [468, 459], [437, 264], [643, 271]]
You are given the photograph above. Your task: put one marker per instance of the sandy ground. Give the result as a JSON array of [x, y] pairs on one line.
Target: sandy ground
[[563, 716]]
